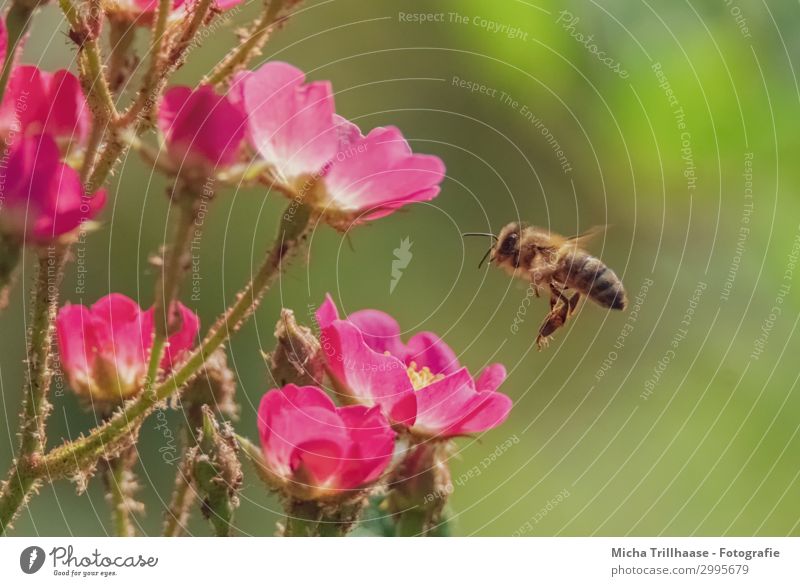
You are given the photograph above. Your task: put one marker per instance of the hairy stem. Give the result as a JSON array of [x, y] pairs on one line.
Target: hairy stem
[[183, 494], [18, 22], [120, 484], [23, 476], [122, 34], [250, 47], [80, 453], [183, 497], [85, 35]]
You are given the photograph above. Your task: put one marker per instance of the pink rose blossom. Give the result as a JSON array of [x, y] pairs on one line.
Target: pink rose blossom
[[325, 159], [203, 130], [40, 102], [44, 198], [105, 348], [419, 385], [316, 450]]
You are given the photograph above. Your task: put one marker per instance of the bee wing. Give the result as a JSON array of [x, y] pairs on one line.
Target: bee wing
[[581, 240]]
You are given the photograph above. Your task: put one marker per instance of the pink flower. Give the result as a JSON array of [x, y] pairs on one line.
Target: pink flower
[[419, 385], [39, 102], [334, 168], [105, 348], [316, 450], [142, 12], [203, 130], [44, 198]]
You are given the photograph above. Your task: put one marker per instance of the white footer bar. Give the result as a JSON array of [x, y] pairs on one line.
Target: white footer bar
[[385, 562]]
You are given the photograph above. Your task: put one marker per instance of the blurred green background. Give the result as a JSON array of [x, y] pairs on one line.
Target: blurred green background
[[704, 445]]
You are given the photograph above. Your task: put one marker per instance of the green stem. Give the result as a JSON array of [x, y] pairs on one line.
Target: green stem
[[137, 116], [183, 494], [93, 144], [176, 262], [249, 47], [82, 452], [98, 94], [23, 476], [18, 21], [120, 486], [163, 62], [190, 30], [302, 519], [121, 36], [412, 523], [181, 502]]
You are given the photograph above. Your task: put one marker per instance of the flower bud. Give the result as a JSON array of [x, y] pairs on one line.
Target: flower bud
[[297, 358], [420, 488], [217, 472], [214, 386]]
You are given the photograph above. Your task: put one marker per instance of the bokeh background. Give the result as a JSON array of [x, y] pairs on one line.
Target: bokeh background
[[611, 433]]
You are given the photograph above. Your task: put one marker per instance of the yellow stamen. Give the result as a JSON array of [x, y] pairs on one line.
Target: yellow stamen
[[422, 377]]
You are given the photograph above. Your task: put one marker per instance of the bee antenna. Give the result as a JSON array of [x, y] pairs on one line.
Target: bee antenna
[[489, 234], [485, 256]]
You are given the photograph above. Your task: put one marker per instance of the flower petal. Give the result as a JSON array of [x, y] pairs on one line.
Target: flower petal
[[291, 123], [444, 403], [491, 377], [428, 349], [380, 331], [489, 410], [371, 449]]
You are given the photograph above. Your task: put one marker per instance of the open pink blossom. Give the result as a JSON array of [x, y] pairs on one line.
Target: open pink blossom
[[105, 348], [202, 129], [316, 450], [419, 385], [40, 102], [44, 198], [326, 160]]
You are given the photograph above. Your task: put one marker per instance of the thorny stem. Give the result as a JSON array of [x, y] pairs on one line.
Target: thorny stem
[[93, 144], [177, 259], [78, 454], [183, 494], [95, 84], [138, 115], [163, 61], [149, 83], [200, 11], [250, 47], [120, 486], [122, 34], [25, 473], [18, 21]]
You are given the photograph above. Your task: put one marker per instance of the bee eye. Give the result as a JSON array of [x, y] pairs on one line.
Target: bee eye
[[510, 243]]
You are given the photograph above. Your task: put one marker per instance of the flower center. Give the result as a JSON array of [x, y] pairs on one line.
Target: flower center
[[421, 377]]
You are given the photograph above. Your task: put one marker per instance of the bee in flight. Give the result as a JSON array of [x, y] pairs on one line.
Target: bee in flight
[[558, 265]]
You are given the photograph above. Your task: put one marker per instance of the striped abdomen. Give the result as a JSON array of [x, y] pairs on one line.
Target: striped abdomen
[[588, 275]]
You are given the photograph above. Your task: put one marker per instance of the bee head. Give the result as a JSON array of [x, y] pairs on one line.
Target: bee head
[[507, 247]]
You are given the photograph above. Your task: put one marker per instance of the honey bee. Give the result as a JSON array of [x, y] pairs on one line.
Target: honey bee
[[557, 265]]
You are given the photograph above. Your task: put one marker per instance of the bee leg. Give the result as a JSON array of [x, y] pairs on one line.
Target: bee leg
[[573, 303], [555, 319]]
